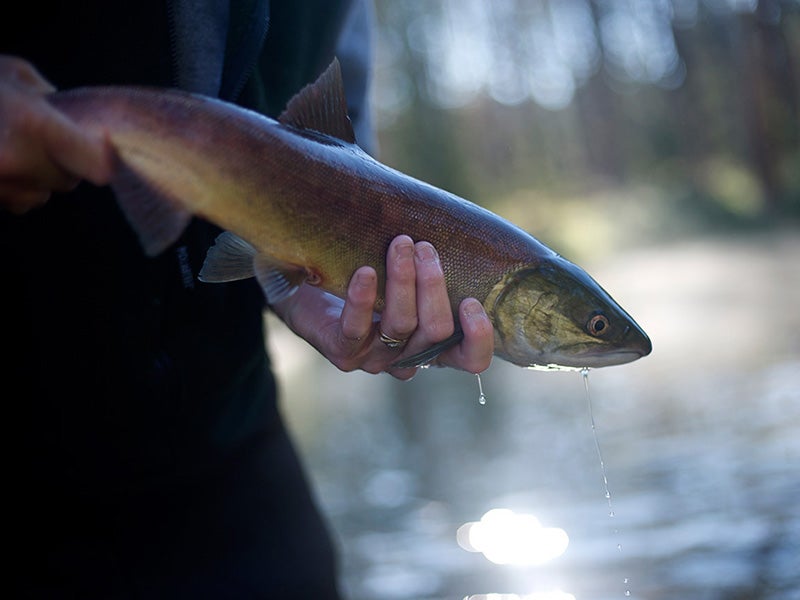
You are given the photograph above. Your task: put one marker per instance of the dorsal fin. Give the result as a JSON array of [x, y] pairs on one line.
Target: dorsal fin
[[322, 106]]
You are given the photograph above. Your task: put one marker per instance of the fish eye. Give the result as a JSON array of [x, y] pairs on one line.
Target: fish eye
[[598, 325]]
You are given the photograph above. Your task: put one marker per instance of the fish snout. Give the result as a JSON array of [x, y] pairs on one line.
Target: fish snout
[[638, 341]]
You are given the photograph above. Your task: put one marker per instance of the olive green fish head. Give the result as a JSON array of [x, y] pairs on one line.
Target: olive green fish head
[[555, 316]]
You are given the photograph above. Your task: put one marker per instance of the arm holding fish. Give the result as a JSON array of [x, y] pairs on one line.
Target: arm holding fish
[[41, 150], [417, 311]]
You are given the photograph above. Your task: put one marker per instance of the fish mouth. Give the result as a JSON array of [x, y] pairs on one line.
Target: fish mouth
[[589, 360], [635, 349], [607, 359], [638, 345]]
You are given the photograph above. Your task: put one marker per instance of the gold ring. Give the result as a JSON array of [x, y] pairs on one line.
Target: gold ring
[[391, 342]]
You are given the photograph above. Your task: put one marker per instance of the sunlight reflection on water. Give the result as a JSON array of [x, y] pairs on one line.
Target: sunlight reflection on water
[[507, 538], [700, 441], [554, 595]]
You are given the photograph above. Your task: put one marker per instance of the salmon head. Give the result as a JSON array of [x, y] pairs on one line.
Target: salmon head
[[553, 315]]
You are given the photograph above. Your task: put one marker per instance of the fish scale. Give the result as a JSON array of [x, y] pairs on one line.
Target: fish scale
[[301, 203]]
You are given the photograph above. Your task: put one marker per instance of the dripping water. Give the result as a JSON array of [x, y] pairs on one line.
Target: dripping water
[[481, 395], [611, 513], [585, 374]]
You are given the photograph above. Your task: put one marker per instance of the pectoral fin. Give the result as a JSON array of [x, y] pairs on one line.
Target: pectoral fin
[[426, 356], [278, 280], [229, 259]]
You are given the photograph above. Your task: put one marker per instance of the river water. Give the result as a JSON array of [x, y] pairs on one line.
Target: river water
[[700, 441]]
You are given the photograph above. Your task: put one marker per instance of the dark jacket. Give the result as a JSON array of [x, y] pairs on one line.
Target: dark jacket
[[149, 458]]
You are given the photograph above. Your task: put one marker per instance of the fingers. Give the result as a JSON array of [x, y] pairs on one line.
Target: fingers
[[19, 72], [416, 313], [18, 199], [433, 303], [417, 310], [358, 310], [416, 296], [399, 317], [474, 353], [83, 153], [41, 150], [361, 345], [434, 316]]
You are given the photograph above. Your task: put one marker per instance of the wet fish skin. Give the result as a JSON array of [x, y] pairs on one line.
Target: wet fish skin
[[313, 207]]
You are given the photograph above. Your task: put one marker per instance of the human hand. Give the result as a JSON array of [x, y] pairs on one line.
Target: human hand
[[417, 310], [41, 150]]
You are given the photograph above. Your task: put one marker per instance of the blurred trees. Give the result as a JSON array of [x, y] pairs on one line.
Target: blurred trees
[[699, 98]]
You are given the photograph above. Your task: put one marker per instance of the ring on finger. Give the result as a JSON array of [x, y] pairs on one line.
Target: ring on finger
[[391, 342]]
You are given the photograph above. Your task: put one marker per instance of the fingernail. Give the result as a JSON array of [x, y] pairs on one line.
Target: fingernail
[[404, 250], [364, 279], [473, 309], [426, 253]]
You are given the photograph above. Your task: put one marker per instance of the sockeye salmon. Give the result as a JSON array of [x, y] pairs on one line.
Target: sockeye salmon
[[300, 202]]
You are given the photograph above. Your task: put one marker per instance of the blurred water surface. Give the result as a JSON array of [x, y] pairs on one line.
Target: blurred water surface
[[656, 145], [701, 442]]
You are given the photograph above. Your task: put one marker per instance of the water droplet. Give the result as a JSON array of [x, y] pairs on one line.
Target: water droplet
[[619, 547], [612, 514], [481, 395], [627, 592], [626, 580], [585, 375]]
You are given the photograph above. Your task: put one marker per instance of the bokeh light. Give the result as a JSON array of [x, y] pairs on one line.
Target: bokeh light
[[554, 595], [507, 538]]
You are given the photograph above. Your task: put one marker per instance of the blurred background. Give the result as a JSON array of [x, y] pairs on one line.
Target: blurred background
[[657, 144]]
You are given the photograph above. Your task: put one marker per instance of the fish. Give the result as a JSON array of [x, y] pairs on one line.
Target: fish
[[299, 202]]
